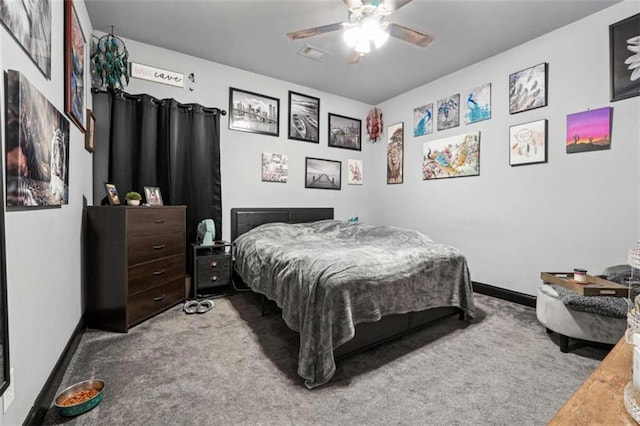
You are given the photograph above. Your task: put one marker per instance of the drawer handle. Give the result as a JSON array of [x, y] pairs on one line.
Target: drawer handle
[[159, 221], [159, 298], [161, 246], [214, 264], [214, 278], [159, 272]]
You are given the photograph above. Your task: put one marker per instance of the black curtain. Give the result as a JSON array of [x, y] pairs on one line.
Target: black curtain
[[173, 146]]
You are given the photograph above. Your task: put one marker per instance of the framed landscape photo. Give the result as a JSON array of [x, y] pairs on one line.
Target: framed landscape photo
[[74, 72], [253, 112], [90, 133], [345, 132], [112, 194], [624, 54], [528, 89], [304, 116], [528, 143], [153, 196], [322, 174]]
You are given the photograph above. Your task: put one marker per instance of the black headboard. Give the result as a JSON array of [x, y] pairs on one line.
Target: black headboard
[[245, 219]]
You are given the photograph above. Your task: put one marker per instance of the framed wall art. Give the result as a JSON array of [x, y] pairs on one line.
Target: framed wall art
[[254, 113], [304, 115], [589, 130], [31, 28], [476, 105], [528, 143], [90, 132], [423, 120], [37, 147], [112, 194], [449, 112], [74, 47], [355, 172], [624, 54], [322, 174], [275, 167], [455, 156], [528, 89], [153, 196], [345, 132], [395, 153]]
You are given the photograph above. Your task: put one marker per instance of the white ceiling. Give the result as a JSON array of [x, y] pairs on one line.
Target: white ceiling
[[251, 35]]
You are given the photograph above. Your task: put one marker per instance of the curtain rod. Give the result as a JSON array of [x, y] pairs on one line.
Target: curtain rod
[[138, 98]]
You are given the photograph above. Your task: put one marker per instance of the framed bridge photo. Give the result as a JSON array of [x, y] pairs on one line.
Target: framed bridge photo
[[322, 174], [254, 113]]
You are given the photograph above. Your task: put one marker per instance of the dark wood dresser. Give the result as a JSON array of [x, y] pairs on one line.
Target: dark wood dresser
[[135, 260]]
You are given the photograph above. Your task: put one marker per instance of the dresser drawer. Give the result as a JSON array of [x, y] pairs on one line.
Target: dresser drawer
[[144, 249], [214, 271], [154, 220], [152, 274], [148, 303]]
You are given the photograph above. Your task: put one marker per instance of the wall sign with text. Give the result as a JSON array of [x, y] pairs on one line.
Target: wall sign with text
[[157, 75]]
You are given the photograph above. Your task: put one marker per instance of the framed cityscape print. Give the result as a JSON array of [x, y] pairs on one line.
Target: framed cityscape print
[[345, 132], [254, 113], [624, 54], [322, 174], [528, 143], [36, 147], [74, 49], [448, 112], [455, 156], [304, 115], [528, 89], [31, 28], [395, 152]]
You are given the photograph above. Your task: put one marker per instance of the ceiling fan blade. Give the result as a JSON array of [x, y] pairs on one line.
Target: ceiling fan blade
[[352, 4], [412, 36], [354, 58], [310, 32]]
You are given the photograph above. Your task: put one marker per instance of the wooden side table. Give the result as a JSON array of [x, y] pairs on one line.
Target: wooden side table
[[212, 267], [600, 399]]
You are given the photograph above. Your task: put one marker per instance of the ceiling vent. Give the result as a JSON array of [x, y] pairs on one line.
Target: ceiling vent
[[315, 53]]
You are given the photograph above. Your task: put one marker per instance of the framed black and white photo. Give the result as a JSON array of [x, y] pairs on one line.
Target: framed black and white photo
[[624, 53], [322, 174], [304, 116], [528, 89], [345, 132], [253, 112]]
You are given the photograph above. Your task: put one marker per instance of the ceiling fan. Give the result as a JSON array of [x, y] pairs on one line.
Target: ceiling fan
[[366, 25]]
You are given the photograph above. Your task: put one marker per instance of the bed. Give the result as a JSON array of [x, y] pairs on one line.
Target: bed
[[346, 286]]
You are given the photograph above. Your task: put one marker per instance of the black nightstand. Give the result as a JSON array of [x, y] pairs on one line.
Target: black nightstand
[[212, 267]]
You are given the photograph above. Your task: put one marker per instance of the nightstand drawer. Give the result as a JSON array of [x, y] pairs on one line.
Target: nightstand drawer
[[214, 271], [144, 249], [148, 303], [152, 274], [150, 220]]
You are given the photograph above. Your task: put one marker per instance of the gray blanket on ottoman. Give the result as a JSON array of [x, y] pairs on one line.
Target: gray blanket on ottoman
[[330, 275]]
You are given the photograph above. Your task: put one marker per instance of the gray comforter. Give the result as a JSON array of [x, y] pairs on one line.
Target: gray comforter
[[330, 275]]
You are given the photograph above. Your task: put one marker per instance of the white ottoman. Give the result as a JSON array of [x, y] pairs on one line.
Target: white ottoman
[[556, 317]]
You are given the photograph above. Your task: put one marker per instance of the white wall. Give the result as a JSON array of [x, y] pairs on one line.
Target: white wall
[[240, 152], [44, 246], [578, 210]]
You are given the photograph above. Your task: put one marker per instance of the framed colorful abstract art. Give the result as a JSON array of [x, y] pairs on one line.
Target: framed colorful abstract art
[[455, 156]]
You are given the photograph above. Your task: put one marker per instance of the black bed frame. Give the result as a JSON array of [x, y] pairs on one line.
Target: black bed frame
[[367, 334]]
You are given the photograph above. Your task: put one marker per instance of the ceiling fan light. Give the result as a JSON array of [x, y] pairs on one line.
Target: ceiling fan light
[[379, 38], [363, 46], [369, 27], [352, 36]]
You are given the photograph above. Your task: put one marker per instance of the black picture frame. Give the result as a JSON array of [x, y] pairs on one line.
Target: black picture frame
[[525, 140], [322, 174], [304, 117], [622, 87], [528, 88], [5, 378], [254, 113], [112, 194], [345, 132], [153, 196]]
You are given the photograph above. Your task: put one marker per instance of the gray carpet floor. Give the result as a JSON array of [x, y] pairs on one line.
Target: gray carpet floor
[[231, 366]]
